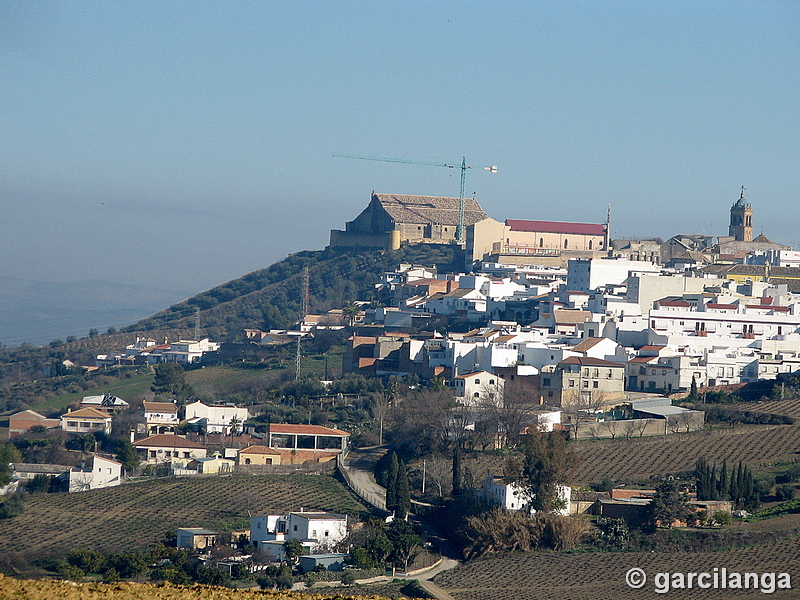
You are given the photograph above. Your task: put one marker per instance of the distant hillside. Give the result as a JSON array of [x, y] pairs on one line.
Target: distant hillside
[[272, 297]]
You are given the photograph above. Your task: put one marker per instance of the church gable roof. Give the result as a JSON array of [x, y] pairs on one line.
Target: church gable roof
[[433, 210]]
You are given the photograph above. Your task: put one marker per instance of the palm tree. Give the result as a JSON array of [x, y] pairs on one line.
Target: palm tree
[[351, 310]]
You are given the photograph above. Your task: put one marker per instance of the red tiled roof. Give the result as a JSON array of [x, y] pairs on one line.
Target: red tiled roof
[[556, 227], [680, 303], [643, 359], [305, 429], [588, 361], [652, 348], [723, 306], [160, 407]]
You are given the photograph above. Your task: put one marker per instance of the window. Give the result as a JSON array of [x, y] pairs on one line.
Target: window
[[549, 394], [247, 461], [566, 242], [585, 383], [295, 527], [546, 382], [327, 533], [595, 384], [541, 242], [571, 383], [491, 382], [590, 244]]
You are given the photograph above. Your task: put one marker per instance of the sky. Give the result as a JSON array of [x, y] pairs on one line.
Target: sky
[[178, 145]]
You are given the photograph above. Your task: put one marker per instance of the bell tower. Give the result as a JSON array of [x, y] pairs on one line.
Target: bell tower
[[741, 227]]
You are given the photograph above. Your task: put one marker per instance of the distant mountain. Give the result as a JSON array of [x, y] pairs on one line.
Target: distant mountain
[[41, 311], [272, 297]]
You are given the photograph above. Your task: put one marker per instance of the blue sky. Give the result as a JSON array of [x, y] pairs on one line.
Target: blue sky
[[182, 144]]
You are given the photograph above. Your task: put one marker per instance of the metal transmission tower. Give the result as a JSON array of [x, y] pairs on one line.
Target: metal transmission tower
[[303, 314], [463, 166]]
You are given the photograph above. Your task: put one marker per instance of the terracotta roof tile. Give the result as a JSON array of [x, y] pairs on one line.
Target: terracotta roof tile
[[556, 227]]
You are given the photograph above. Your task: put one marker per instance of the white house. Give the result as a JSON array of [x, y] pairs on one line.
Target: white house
[[188, 351], [163, 448], [512, 496], [317, 531], [159, 417], [587, 274], [217, 418], [104, 472], [477, 388]]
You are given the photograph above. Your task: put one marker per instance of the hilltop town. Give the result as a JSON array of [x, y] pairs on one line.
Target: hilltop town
[[539, 385]]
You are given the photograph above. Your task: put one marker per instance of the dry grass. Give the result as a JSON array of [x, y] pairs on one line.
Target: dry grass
[[67, 590]]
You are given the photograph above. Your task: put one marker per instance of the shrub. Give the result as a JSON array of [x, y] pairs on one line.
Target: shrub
[[348, 577], [785, 492], [723, 517], [414, 589], [89, 561]]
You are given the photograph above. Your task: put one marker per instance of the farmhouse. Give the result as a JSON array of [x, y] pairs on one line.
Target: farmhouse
[[259, 455], [169, 448], [512, 496], [159, 417], [22, 421], [103, 472], [86, 420], [318, 531], [196, 538], [216, 419], [313, 441]]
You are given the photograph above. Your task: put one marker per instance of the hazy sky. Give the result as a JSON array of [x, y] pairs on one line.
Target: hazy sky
[[183, 144]]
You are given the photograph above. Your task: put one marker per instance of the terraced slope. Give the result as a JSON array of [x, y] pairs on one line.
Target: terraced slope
[[134, 516]]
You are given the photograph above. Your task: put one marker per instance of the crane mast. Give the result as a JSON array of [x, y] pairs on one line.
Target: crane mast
[[460, 229]]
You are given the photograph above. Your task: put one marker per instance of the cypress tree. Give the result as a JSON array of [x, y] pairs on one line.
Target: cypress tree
[[402, 492], [712, 483], [457, 481], [722, 484], [701, 476], [391, 483]]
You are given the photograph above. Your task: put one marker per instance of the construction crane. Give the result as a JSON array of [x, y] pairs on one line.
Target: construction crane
[[464, 166]]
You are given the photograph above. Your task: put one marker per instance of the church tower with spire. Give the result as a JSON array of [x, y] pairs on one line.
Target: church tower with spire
[[741, 227]]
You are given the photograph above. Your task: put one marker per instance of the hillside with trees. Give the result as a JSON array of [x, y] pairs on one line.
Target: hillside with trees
[[272, 298]]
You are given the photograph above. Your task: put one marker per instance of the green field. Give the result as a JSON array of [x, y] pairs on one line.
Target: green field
[[136, 515], [127, 389]]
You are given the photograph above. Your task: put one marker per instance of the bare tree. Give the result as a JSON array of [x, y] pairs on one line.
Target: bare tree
[[641, 426], [439, 469], [629, 429], [673, 424], [611, 427], [580, 405]]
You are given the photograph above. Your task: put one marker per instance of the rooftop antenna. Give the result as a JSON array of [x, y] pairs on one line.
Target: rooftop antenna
[[464, 166]]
